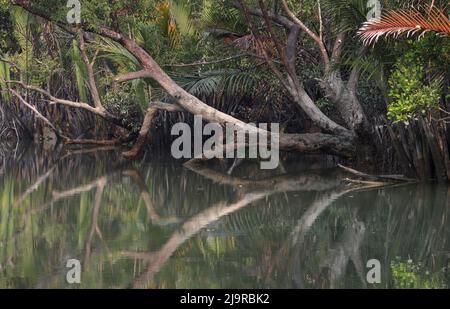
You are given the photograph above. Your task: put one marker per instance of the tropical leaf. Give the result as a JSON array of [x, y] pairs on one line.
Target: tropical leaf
[[4, 75], [205, 85], [139, 87], [223, 89], [80, 71], [221, 15], [181, 13], [346, 14], [411, 21], [116, 53]]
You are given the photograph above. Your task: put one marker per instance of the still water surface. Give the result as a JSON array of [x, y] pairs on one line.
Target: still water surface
[[159, 224]]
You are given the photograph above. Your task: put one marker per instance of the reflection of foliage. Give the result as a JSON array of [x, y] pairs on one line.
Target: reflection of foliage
[[410, 275], [252, 247]]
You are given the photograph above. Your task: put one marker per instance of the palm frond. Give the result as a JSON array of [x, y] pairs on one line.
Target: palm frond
[[181, 13], [80, 71], [139, 86], [222, 89], [116, 53], [203, 86], [346, 14], [4, 75], [409, 21], [221, 15]]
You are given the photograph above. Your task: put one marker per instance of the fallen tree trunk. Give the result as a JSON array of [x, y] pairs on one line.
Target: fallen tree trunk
[[375, 178], [304, 143], [341, 144]]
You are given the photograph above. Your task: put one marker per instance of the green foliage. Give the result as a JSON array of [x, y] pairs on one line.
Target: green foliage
[[325, 105], [4, 75], [346, 14], [410, 95], [409, 275], [179, 31], [80, 72], [8, 40], [122, 102], [225, 82], [221, 15]]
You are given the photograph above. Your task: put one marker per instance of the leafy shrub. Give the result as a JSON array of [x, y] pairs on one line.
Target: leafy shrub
[[410, 275], [409, 94], [122, 102]]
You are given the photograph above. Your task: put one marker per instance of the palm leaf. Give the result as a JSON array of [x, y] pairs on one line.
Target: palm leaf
[[409, 21], [181, 13], [4, 75], [139, 87], [117, 54], [80, 71], [346, 14]]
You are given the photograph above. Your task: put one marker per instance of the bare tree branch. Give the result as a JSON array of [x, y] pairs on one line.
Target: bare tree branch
[[320, 20], [353, 79], [131, 76], [314, 36], [200, 63], [279, 19], [261, 46], [90, 72], [54, 100], [146, 125]]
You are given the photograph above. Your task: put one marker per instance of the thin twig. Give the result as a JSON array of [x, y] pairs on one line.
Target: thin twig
[[199, 63]]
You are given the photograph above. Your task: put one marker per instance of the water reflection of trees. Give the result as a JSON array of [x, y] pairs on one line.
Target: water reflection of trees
[[162, 225]]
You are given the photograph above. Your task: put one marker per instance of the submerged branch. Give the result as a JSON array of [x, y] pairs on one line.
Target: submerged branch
[[395, 178]]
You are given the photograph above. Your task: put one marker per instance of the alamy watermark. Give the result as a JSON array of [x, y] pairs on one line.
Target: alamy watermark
[[73, 276], [374, 7], [74, 13], [229, 142], [374, 274]]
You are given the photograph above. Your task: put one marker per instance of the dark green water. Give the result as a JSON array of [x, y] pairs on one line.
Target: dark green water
[[158, 224]]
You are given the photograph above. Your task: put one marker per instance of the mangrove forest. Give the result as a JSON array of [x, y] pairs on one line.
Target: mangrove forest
[[225, 144]]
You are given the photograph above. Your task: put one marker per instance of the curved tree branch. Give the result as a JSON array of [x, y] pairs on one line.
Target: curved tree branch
[[314, 36]]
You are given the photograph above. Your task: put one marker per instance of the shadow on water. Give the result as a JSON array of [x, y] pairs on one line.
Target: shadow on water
[[159, 224]]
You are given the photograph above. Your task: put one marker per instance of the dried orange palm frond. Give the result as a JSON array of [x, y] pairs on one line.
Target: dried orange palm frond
[[409, 21]]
